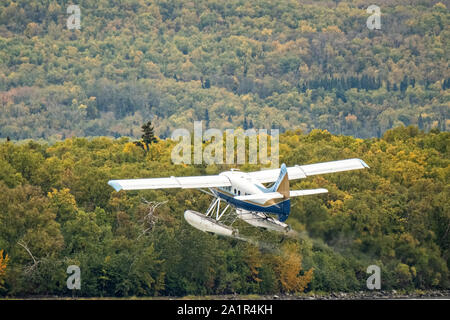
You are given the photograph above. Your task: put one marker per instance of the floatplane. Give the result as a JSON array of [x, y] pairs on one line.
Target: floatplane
[[244, 194]]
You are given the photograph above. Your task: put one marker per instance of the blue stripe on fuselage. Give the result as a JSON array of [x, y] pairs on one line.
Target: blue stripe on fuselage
[[281, 208]]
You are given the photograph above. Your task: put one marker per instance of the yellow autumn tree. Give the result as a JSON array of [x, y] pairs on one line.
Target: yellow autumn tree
[[288, 266], [63, 203], [3, 263]]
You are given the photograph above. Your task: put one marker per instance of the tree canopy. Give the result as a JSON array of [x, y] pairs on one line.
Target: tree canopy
[[284, 64], [57, 210]]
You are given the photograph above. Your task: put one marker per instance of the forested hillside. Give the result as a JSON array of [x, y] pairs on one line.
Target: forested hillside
[[267, 64], [58, 210]]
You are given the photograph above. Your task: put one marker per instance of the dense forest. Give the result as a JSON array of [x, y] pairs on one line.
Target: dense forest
[[58, 210], [266, 64]]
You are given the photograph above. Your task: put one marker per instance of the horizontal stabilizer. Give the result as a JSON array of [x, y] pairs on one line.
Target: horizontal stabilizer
[[297, 193], [261, 196]]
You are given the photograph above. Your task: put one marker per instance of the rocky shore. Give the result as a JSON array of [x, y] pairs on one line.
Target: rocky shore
[[361, 295]]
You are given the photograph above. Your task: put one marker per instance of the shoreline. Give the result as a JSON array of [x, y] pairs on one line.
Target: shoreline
[[361, 295]]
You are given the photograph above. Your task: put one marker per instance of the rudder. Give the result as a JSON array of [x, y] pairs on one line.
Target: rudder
[[282, 183], [282, 186]]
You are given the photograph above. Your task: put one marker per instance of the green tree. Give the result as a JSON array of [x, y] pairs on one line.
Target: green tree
[[148, 137]]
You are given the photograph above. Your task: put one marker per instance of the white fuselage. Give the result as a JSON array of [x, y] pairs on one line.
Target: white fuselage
[[242, 184]]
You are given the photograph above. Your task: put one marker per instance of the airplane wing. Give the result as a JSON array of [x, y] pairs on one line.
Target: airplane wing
[[300, 172], [172, 182], [263, 176]]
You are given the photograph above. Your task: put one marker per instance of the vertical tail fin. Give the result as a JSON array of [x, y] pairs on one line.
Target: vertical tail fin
[[282, 183], [282, 186]]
